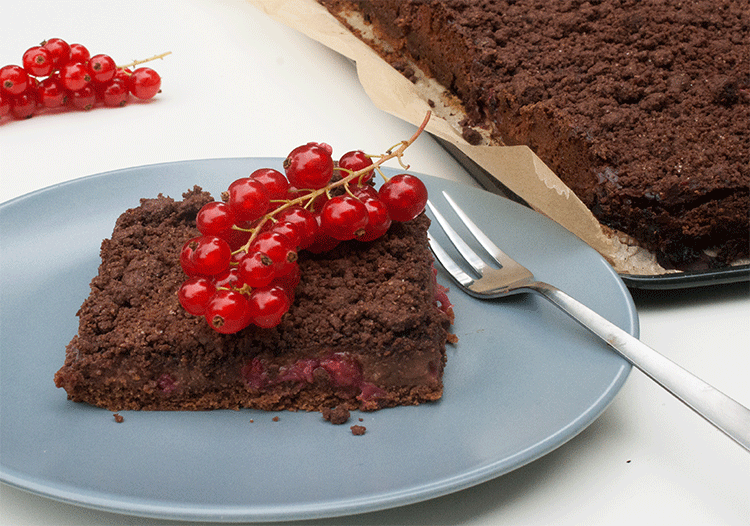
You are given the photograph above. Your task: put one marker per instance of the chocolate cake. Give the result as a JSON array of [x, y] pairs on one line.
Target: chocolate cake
[[367, 328], [641, 107]]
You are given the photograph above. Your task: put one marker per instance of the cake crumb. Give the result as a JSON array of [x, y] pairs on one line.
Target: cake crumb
[[275, 419], [337, 415], [358, 430], [252, 421], [118, 418], [361, 419]]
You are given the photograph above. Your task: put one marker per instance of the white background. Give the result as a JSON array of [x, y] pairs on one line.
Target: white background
[[239, 85]]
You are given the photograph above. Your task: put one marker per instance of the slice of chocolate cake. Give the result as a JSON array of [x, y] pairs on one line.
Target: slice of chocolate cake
[[641, 108], [367, 328]]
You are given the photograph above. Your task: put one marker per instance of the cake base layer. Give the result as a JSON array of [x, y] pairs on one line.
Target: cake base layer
[[364, 331]]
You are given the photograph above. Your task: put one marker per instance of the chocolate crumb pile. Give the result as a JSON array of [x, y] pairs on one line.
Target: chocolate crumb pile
[[337, 415]]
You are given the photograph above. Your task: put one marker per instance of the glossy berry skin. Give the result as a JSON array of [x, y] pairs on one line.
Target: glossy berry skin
[[23, 106], [276, 184], [102, 68], [267, 305], [74, 76], [405, 196], [343, 217], [144, 83], [215, 219], [227, 312], [229, 279], [309, 166], [194, 295], [59, 50], [51, 93], [205, 256], [13, 80], [355, 161], [248, 199], [378, 219], [277, 247], [37, 61], [114, 94], [4, 105], [84, 98], [305, 221], [289, 230], [79, 53], [256, 269]]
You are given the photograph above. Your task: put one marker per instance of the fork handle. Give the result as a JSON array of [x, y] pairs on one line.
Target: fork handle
[[720, 410]]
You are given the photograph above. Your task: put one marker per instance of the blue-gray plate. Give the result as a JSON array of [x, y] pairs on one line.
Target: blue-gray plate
[[522, 380]]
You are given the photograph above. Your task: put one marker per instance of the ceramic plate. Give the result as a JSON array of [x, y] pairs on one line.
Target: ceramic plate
[[522, 380]]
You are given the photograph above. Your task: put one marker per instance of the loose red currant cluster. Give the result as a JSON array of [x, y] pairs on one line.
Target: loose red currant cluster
[[56, 74], [243, 269]]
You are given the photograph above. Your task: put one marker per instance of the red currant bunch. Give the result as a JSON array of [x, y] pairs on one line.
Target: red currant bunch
[[242, 270], [58, 75]]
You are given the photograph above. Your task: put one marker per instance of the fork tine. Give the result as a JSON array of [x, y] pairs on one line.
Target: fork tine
[[493, 250], [448, 264], [465, 250]]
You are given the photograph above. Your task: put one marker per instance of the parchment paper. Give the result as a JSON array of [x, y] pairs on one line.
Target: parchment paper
[[516, 167]]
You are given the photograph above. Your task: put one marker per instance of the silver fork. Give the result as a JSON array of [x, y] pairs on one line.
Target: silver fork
[[720, 410]]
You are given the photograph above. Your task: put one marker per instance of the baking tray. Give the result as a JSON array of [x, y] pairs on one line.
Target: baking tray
[[678, 280]]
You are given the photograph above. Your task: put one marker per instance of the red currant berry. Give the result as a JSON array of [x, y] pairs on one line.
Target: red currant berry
[[228, 312], [309, 166], [288, 282], [378, 219], [51, 93], [4, 105], [84, 98], [267, 306], [305, 222], [37, 61], [344, 217], [277, 247], [59, 50], [405, 196], [256, 269], [79, 53], [215, 219], [123, 74], [363, 192], [194, 295], [102, 68], [229, 279], [356, 161], [248, 199], [323, 242], [274, 181], [186, 256], [114, 94], [13, 80], [23, 106], [144, 83], [205, 256], [289, 230], [74, 76]]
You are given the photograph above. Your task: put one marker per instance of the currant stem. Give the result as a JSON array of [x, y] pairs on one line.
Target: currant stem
[[137, 62], [313, 194]]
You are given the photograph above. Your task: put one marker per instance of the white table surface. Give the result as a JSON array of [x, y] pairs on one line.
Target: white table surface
[[240, 85]]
